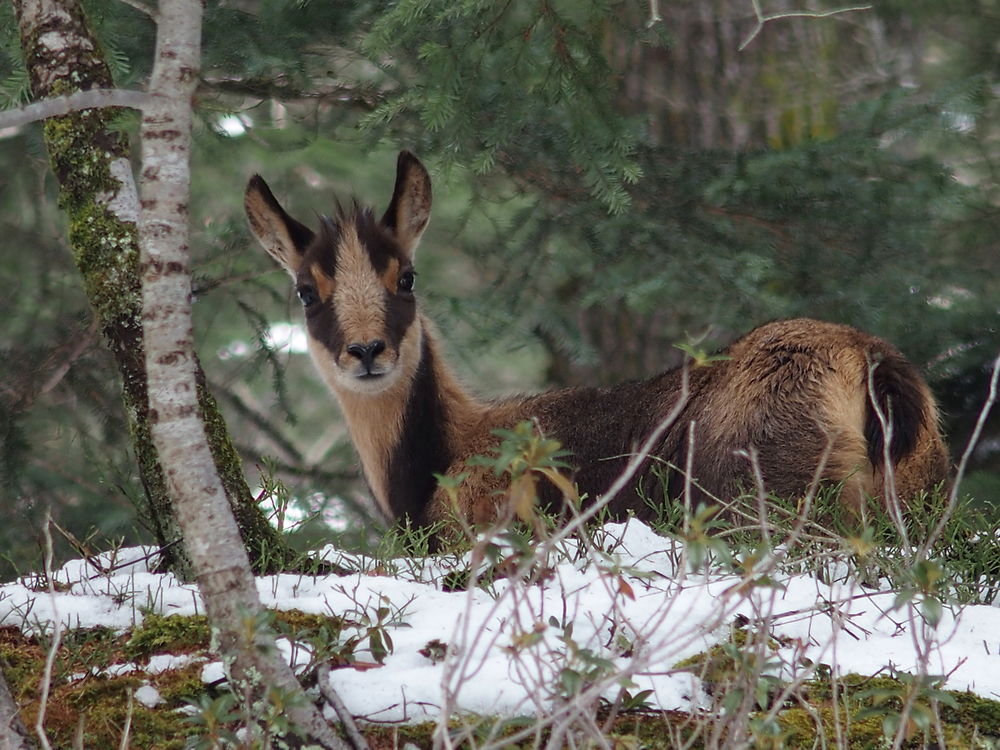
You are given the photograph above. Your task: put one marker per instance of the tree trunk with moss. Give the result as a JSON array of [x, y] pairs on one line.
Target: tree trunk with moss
[[97, 191]]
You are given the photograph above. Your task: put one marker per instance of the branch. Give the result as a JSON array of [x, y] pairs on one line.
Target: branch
[[654, 14], [362, 96], [984, 413], [57, 633], [64, 105], [354, 736], [40, 379], [763, 19]]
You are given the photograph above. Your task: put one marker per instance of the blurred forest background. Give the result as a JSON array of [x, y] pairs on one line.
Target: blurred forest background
[[611, 178]]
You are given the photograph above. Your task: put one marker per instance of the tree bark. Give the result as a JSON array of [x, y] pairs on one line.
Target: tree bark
[[97, 190], [211, 536], [13, 735]]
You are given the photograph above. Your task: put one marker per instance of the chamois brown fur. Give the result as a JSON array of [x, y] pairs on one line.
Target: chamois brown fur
[[793, 393]]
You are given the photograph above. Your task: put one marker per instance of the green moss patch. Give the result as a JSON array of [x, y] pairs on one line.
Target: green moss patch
[[86, 702], [173, 634]]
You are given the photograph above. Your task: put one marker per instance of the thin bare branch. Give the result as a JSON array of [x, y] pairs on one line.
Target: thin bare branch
[[889, 493], [763, 19], [362, 97], [57, 632], [39, 380], [80, 345], [654, 14], [354, 736], [64, 105], [977, 432], [127, 729]]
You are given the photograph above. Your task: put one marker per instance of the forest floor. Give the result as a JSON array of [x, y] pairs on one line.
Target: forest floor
[[608, 636]]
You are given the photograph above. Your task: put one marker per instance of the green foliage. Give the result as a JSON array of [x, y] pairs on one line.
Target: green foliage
[[522, 450], [213, 718], [555, 95], [699, 535], [371, 624], [525, 455], [919, 694], [872, 709], [961, 567]]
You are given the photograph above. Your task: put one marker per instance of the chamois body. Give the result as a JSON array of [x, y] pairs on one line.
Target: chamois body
[[793, 394]]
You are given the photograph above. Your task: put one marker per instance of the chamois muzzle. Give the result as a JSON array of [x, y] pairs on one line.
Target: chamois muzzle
[[367, 353]]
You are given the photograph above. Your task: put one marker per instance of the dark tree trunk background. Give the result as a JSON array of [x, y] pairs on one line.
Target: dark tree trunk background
[[701, 93]]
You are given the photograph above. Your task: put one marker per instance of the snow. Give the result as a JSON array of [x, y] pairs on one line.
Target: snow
[[508, 646], [148, 696]]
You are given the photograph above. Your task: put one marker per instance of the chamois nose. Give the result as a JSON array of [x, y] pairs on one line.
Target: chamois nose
[[367, 352]]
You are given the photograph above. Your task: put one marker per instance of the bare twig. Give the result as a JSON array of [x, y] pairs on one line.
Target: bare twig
[[50, 658], [39, 380], [977, 432], [127, 729], [980, 422], [889, 494], [354, 736], [654, 14], [633, 466], [64, 105], [763, 19], [81, 344]]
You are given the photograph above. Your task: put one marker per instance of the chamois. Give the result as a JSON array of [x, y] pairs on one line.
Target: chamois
[[793, 393]]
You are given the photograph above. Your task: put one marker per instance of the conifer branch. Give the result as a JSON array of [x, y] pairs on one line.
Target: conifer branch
[[39, 380], [64, 105]]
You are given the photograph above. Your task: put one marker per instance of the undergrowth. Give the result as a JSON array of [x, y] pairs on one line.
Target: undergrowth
[[752, 687], [91, 704]]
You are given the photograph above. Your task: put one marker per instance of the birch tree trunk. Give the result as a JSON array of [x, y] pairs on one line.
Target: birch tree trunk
[[97, 190], [211, 536]]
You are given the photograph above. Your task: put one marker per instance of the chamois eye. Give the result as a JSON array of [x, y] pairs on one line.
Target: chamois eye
[[307, 295], [406, 280]]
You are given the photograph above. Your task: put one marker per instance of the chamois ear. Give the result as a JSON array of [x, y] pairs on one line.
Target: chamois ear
[[410, 207], [283, 237]]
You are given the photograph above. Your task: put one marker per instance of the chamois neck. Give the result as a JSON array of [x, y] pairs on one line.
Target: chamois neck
[[408, 433]]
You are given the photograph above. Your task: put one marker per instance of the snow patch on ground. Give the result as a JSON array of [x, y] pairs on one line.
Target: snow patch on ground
[[506, 648]]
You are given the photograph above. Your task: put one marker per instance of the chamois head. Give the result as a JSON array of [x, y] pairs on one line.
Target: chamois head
[[354, 278]]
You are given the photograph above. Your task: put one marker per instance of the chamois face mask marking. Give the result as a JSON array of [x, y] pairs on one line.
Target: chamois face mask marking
[[360, 318]]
